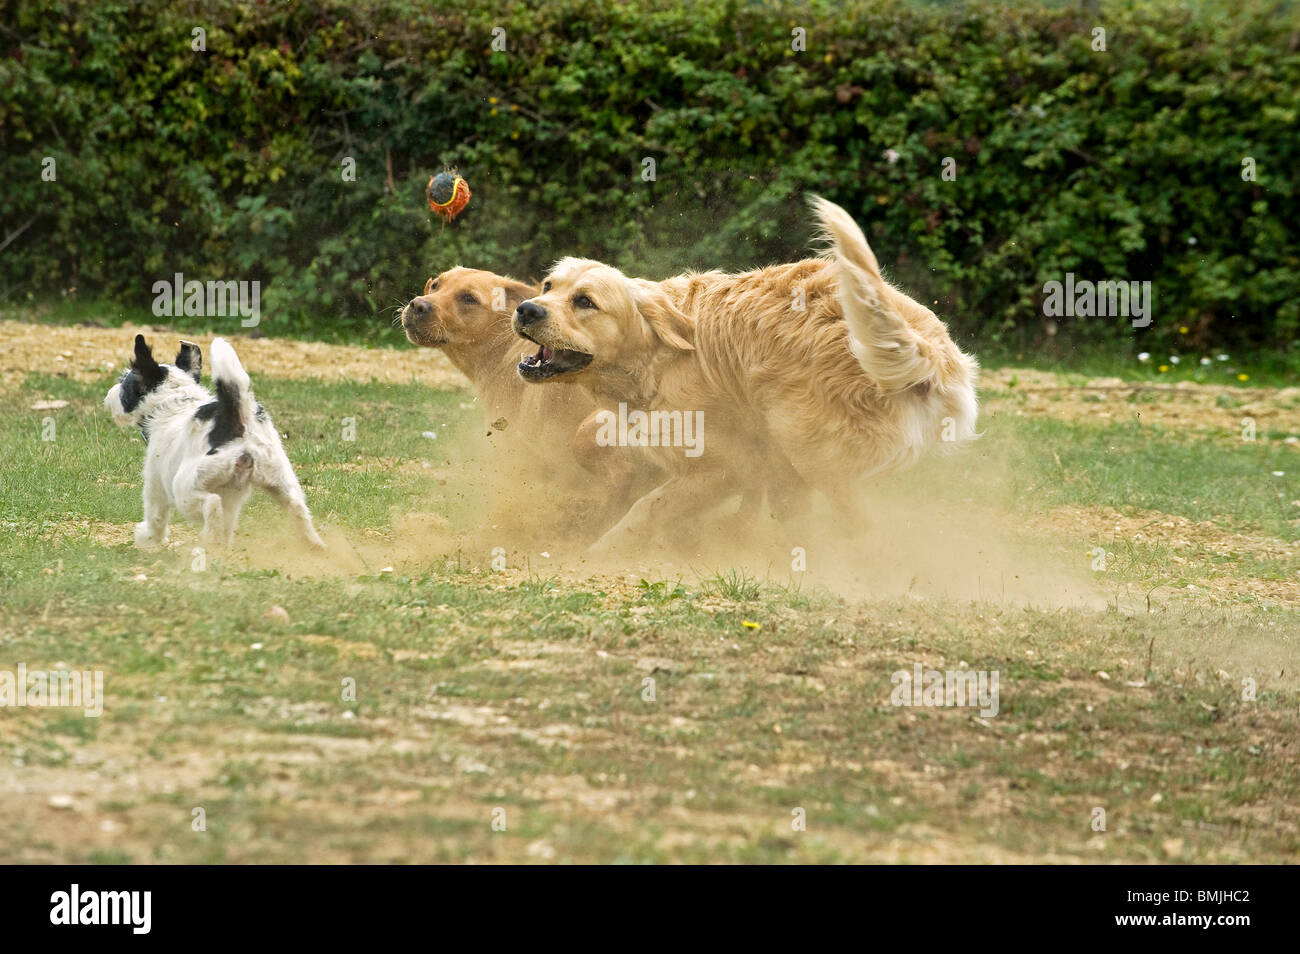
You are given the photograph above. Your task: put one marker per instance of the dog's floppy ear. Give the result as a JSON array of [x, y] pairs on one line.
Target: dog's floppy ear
[[669, 323], [428, 286], [151, 374], [190, 360], [517, 293]]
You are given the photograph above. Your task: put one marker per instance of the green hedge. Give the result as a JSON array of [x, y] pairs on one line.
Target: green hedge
[[1124, 164]]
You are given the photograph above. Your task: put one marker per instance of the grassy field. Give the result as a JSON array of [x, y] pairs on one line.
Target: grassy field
[[683, 710]]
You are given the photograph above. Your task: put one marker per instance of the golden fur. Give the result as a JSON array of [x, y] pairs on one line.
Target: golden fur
[[456, 314], [813, 374], [466, 313]]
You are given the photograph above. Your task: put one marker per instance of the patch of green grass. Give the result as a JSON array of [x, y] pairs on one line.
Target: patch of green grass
[[1132, 465], [1084, 363], [661, 591], [735, 584]]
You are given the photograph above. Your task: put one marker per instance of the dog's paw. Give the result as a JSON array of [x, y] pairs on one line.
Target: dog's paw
[[146, 539]]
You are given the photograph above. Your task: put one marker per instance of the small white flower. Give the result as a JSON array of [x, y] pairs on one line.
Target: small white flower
[[1174, 359], [1191, 240], [1144, 356], [1279, 473], [1221, 357], [892, 155], [1205, 361]]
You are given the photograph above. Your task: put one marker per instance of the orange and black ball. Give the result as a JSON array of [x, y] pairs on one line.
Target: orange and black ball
[[448, 194]]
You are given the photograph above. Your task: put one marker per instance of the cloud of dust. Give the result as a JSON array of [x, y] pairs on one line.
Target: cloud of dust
[[945, 529]]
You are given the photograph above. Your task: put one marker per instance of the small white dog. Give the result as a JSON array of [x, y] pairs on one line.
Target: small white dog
[[205, 454]]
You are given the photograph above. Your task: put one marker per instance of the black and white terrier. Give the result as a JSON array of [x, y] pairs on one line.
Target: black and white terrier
[[205, 454]]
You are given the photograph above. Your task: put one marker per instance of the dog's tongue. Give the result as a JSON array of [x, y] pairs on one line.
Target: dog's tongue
[[546, 353]]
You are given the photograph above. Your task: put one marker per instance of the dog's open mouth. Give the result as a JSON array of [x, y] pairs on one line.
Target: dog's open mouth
[[551, 362]]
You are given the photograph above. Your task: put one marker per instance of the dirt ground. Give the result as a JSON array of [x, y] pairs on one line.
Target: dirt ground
[[85, 353]]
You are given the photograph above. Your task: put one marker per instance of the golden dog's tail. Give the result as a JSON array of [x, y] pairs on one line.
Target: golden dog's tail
[[886, 346]]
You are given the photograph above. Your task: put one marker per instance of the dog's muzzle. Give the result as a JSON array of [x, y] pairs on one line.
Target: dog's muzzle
[[528, 313], [113, 403], [548, 362], [416, 310], [417, 322]]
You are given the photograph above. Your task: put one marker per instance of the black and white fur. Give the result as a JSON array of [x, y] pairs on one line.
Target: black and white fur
[[206, 453]]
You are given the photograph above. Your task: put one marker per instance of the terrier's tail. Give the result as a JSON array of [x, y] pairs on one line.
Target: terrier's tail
[[234, 390]]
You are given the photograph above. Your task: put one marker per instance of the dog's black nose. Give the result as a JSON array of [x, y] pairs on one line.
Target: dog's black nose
[[419, 308], [527, 313]]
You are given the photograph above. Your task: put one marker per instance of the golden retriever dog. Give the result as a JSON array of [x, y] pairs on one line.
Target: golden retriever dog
[[466, 313], [817, 374]]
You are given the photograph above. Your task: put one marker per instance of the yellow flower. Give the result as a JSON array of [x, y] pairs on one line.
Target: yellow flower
[[514, 108], [1182, 330], [494, 112], [750, 625], [1243, 377], [1164, 368], [492, 100], [514, 135]]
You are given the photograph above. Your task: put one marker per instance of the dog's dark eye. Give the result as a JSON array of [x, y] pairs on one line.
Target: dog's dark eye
[[546, 287], [582, 301], [433, 287], [468, 299]]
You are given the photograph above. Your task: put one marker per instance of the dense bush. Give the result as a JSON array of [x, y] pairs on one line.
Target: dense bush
[[1124, 164]]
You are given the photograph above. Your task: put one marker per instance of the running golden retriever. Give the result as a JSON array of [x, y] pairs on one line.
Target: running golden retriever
[[465, 312], [816, 374]]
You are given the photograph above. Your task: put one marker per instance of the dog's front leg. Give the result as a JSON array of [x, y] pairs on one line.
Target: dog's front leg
[[152, 530], [624, 473], [681, 498]]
